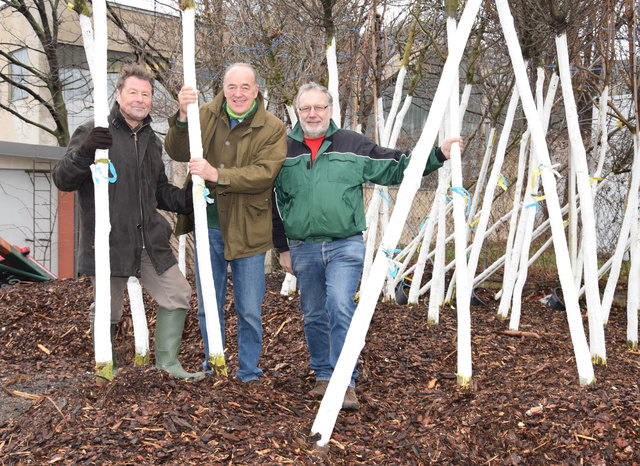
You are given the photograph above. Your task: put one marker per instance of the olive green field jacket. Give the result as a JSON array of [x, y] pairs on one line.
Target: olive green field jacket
[[248, 159]]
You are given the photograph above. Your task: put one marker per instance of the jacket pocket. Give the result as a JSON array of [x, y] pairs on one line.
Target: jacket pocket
[[344, 171], [257, 218], [294, 174]]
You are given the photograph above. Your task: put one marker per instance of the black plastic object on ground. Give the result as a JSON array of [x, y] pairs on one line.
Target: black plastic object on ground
[[475, 301], [402, 296], [555, 302]]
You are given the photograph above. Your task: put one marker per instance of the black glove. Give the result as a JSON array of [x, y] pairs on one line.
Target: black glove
[[188, 197], [98, 138]]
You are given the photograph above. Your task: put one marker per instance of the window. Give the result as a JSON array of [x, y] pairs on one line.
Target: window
[[19, 74]]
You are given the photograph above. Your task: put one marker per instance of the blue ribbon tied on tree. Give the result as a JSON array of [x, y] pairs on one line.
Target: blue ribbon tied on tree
[[203, 190], [98, 175], [393, 271], [464, 193]]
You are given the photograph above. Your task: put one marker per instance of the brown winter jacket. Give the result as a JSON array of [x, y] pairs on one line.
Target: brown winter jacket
[[248, 159], [140, 189]]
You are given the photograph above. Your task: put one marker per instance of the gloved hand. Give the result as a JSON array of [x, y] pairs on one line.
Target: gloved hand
[[188, 197], [98, 138]]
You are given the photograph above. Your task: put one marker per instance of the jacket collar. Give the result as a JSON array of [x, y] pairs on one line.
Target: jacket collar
[[298, 135], [259, 117], [118, 121]]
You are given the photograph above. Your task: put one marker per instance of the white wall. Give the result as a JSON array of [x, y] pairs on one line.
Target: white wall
[[16, 213]]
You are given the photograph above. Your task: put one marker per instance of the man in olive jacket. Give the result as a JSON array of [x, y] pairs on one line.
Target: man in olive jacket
[[244, 147], [139, 238]]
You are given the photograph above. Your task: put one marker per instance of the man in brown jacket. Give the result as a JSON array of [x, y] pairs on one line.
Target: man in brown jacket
[[243, 149]]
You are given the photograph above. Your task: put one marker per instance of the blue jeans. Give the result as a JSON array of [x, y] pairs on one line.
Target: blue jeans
[[328, 275], [248, 291]]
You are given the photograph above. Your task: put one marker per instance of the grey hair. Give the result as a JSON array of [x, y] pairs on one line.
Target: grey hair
[[241, 65], [313, 86]]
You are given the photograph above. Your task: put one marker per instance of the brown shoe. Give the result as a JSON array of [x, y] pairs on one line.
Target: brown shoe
[[318, 390], [350, 402]]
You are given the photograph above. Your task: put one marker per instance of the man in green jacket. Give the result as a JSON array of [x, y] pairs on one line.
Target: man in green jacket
[[243, 149], [320, 218]]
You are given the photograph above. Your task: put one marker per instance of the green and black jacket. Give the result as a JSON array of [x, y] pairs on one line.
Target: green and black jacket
[[323, 201]]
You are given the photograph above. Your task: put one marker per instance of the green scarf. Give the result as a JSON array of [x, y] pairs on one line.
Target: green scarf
[[235, 116]]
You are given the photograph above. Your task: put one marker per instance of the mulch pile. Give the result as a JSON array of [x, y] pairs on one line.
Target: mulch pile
[[524, 405]]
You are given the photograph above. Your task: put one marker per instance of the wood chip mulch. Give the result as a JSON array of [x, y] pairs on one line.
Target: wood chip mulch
[[524, 405]]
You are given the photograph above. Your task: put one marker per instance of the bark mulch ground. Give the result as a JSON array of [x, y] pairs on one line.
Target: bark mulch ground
[[524, 406]]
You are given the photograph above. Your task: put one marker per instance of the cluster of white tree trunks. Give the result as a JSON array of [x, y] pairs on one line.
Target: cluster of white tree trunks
[[574, 258], [354, 342]]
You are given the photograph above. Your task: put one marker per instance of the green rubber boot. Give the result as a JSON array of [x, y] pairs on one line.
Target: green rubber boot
[[169, 327], [112, 332]]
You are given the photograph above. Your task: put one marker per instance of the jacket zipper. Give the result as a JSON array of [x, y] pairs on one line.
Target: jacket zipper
[[141, 225]]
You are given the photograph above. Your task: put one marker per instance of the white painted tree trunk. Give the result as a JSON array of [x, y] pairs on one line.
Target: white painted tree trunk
[[355, 338], [581, 349], [513, 247], [514, 251], [529, 214], [395, 105], [373, 212], [463, 295], [527, 220], [604, 269], [436, 295], [380, 204], [292, 115], [624, 236], [481, 225], [513, 297], [451, 264], [633, 291], [379, 116], [334, 83], [573, 218], [215, 357], [385, 204], [182, 254], [480, 182], [579, 157], [397, 126], [464, 101], [601, 130], [426, 233], [97, 59], [289, 285], [88, 41], [139, 319]]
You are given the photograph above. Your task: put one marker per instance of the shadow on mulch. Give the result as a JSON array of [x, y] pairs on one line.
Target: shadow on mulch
[[524, 404]]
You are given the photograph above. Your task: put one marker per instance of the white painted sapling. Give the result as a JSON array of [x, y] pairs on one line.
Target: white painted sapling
[[215, 358]]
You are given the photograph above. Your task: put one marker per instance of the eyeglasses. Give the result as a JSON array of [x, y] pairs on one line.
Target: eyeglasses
[[316, 108]]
